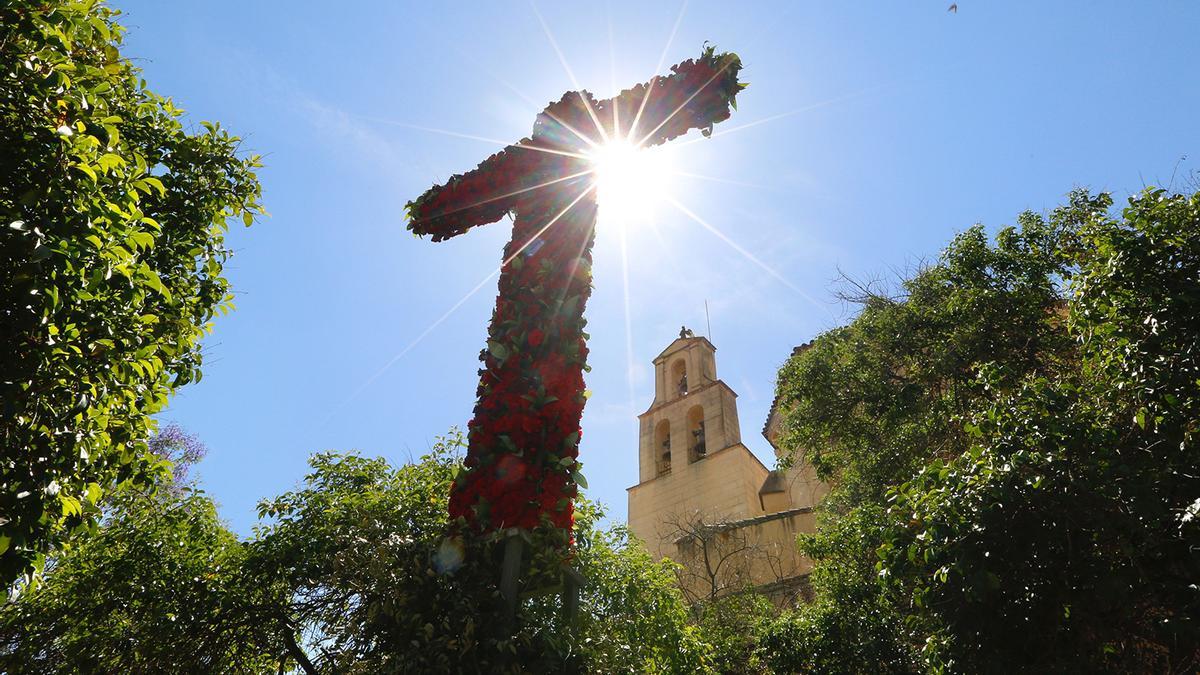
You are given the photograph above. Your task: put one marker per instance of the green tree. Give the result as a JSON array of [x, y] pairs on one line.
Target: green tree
[[871, 403], [1065, 538], [731, 625], [633, 617], [850, 626], [374, 585], [876, 399], [160, 588], [1014, 485], [111, 252], [350, 573]]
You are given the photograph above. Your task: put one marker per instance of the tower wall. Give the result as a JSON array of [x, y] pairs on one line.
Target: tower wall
[[721, 428], [721, 487], [710, 474]]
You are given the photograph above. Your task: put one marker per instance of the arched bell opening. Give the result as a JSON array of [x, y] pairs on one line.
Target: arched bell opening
[[662, 445], [697, 449], [679, 377]]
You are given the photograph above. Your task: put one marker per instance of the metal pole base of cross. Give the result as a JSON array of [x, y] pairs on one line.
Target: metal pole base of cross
[[510, 577], [571, 582]]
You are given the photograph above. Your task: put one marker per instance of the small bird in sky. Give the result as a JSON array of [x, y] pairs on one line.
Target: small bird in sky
[[953, 7]]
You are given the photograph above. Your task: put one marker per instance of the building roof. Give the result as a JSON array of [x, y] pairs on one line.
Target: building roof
[[754, 520], [799, 349], [775, 482], [686, 340]]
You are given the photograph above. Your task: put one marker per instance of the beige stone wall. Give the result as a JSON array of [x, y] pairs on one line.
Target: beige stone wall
[[723, 486], [776, 501], [776, 538], [761, 552], [721, 427], [804, 488], [699, 361]]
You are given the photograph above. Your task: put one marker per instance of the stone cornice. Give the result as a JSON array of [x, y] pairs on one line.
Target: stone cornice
[[655, 407]]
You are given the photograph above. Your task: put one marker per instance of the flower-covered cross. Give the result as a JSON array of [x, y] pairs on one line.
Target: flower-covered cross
[[521, 468]]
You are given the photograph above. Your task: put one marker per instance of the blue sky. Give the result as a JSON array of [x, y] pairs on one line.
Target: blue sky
[[870, 134]]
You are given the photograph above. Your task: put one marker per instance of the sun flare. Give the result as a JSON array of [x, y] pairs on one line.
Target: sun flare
[[630, 181]]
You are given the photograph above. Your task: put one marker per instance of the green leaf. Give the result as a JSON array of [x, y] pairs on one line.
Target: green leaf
[[497, 350], [141, 240], [156, 183], [109, 161], [70, 506], [100, 27], [153, 281], [85, 170]]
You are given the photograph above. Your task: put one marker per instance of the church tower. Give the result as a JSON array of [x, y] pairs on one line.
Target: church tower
[[691, 460], [702, 496]]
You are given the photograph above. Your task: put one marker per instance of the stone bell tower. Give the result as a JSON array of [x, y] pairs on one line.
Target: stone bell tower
[[691, 459]]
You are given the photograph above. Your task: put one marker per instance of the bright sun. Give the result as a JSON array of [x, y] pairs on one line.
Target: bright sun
[[630, 181]]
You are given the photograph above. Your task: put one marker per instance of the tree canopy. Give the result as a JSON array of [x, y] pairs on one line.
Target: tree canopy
[[350, 572], [160, 588], [1010, 434], [375, 585], [112, 216], [1011, 444]]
